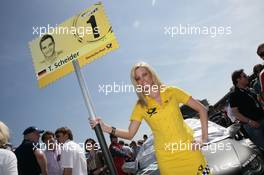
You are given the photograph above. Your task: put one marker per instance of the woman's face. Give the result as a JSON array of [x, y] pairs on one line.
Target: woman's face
[[143, 77]]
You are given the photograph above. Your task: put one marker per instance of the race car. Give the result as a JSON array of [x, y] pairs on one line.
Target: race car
[[225, 154]]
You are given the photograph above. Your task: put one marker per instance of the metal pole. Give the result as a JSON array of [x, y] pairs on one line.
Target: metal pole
[[91, 110]]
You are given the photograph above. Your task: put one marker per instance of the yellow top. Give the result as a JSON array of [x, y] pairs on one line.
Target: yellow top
[[165, 120]]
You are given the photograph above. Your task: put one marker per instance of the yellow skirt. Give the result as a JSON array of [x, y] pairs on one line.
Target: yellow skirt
[[181, 163]]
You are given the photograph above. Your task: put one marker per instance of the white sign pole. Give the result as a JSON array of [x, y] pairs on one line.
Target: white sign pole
[[91, 110]]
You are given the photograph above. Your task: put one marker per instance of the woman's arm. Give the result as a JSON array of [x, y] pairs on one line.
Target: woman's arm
[[122, 133], [197, 106]]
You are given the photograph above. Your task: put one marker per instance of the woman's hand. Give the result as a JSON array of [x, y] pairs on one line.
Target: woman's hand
[[198, 144], [96, 121], [125, 134]]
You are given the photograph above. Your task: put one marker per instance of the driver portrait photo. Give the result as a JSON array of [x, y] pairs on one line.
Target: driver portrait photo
[[47, 47]]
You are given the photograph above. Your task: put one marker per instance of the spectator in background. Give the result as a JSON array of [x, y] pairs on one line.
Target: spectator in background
[[246, 108], [95, 159], [135, 148], [8, 160], [117, 153], [53, 153], [31, 160], [256, 83], [260, 52], [127, 150], [72, 156]]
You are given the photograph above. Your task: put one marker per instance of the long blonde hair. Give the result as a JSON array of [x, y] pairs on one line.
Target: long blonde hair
[[155, 78], [4, 134]]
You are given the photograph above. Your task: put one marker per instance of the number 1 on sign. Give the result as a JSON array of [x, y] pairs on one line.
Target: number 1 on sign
[[93, 23]]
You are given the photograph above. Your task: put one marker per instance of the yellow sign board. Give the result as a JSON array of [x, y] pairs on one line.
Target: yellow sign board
[[86, 37]]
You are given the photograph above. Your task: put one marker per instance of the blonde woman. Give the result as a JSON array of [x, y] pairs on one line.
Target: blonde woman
[[8, 161], [158, 104]]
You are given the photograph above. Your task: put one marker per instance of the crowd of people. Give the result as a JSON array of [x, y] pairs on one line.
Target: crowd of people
[[60, 155], [246, 101]]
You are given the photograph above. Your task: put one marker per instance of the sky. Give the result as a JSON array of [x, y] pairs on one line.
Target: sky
[[149, 30]]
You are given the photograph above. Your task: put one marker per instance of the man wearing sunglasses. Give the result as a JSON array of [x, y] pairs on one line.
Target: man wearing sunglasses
[[246, 108]]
